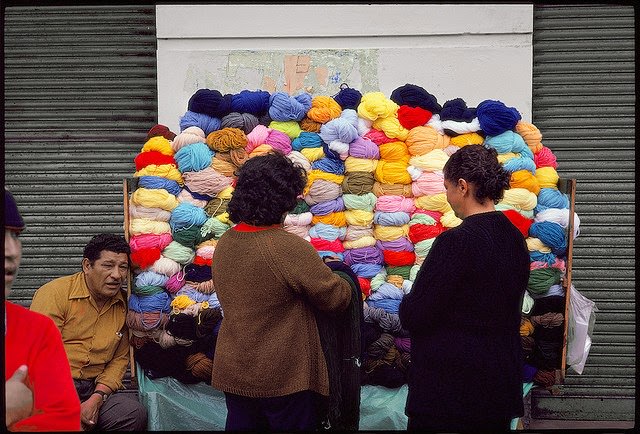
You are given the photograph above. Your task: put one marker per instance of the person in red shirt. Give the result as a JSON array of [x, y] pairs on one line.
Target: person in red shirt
[[39, 390]]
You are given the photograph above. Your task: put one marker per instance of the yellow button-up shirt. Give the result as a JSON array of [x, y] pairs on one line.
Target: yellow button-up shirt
[[96, 342]]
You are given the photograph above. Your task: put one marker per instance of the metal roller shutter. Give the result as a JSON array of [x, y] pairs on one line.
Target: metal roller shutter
[[584, 105], [80, 96]]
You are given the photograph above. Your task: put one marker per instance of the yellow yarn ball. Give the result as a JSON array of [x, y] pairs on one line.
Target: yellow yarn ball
[[312, 154], [520, 198], [354, 164], [392, 172], [374, 105], [394, 151], [547, 177], [524, 179], [431, 161], [433, 202], [158, 144], [391, 126], [467, 139], [358, 217]]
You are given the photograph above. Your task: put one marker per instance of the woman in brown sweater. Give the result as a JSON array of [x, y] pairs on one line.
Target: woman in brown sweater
[[269, 361]]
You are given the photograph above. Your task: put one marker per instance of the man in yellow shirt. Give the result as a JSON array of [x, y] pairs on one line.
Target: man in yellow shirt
[[90, 309]]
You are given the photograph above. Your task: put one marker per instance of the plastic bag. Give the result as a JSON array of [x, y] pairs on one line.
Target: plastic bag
[[582, 317]]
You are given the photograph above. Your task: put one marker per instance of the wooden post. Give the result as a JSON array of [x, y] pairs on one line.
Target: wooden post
[[125, 193], [569, 187]]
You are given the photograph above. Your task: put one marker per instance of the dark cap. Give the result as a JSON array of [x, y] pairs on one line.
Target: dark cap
[[12, 218]]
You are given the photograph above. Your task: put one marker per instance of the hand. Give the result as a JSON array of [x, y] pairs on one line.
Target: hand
[[18, 397], [89, 412]]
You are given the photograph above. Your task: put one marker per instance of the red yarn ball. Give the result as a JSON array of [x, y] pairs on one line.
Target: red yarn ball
[[399, 259], [144, 258], [420, 232], [410, 117], [521, 222], [365, 285], [143, 159]]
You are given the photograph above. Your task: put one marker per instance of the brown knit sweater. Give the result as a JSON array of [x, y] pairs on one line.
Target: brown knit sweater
[[268, 344]]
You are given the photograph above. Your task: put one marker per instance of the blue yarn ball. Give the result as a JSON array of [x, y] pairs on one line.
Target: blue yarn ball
[[329, 165], [283, 107], [210, 102], [415, 96], [457, 110], [348, 98], [253, 102], [495, 117], [158, 182], [205, 122], [306, 139]]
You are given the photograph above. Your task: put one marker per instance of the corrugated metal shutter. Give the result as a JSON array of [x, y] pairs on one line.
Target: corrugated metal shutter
[[80, 96], [584, 105]]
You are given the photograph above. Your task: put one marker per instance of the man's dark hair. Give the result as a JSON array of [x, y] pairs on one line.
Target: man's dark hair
[[479, 166], [110, 242], [267, 187]]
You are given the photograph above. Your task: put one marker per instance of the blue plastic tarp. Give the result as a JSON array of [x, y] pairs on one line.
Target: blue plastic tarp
[[174, 406]]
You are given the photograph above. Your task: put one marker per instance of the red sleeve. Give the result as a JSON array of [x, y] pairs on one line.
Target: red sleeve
[[56, 402]]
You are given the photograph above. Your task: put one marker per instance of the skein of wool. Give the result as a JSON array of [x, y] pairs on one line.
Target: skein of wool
[[547, 177], [550, 234], [226, 139], [160, 130], [190, 135], [531, 135], [561, 217], [495, 117], [154, 198], [310, 126], [290, 128], [210, 102], [143, 212], [410, 117], [252, 102], [323, 109], [158, 144], [415, 96], [374, 105], [243, 121], [205, 122], [283, 107], [423, 139], [146, 158], [193, 157], [348, 98], [152, 182], [206, 181]]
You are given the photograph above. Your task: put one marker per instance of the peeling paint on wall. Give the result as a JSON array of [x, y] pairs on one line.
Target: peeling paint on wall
[[318, 72]]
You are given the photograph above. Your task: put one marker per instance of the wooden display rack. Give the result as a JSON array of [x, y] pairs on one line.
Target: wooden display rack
[[567, 186]]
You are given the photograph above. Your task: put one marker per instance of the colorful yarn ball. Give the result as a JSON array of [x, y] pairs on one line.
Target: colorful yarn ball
[[283, 107], [415, 96], [495, 117], [348, 98], [410, 117], [160, 130], [252, 102], [210, 102]]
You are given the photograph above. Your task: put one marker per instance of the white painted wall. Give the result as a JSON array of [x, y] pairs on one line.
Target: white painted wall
[[469, 51]]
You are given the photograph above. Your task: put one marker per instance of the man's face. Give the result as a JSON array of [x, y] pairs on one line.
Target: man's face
[[106, 275], [12, 257]]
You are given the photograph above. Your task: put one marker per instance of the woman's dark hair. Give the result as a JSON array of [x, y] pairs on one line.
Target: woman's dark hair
[[479, 166], [110, 242], [267, 187]]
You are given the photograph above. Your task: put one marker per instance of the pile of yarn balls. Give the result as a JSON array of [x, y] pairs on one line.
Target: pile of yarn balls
[[374, 198]]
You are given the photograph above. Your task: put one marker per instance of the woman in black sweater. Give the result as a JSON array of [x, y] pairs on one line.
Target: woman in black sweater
[[463, 312]]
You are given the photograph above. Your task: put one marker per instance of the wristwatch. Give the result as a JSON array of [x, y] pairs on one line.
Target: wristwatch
[[104, 395]]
